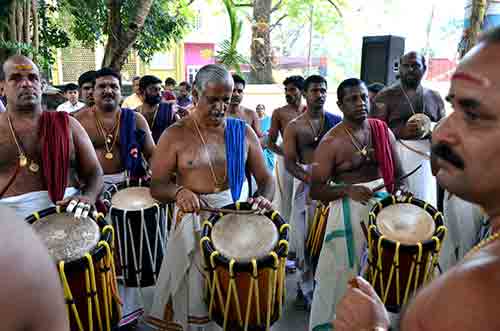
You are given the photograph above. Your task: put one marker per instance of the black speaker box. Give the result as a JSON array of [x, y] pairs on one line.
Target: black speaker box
[[380, 58]]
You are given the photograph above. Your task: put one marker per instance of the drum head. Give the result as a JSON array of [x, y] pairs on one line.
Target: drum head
[[244, 237], [406, 223], [67, 238], [133, 198]]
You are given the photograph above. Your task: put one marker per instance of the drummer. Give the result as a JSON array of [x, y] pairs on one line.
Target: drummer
[[468, 155], [353, 158], [47, 156], [396, 105], [159, 115], [31, 297], [121, 137], [302, 136], [209, 154]]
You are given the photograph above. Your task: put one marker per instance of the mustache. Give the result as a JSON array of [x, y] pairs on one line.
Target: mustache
[[446, 153], [217, 114]]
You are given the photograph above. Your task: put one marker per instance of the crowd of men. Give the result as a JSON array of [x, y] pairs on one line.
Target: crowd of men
[[199, 145]]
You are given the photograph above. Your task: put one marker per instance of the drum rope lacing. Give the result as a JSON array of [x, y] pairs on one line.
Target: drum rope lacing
[[108, 287], [430, 263], [214, 287]]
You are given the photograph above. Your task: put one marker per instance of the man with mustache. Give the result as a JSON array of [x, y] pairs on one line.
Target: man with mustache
[[159, 115], [294, 89], [353, 158], [208, 153], [120, 136], [47, 156], [396, 105], [302, 137], [236, 110], [467, 164]]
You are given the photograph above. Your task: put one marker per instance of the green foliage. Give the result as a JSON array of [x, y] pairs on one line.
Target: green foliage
[[324, 14], [167, 22], [228, 54]]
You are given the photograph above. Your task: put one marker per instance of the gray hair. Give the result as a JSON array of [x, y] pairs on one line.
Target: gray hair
[[211, 73]]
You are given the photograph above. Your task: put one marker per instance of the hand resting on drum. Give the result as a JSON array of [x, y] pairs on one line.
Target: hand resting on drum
[[360, 193], [361, 309], [187, 201], [80, 204], [260, 203]]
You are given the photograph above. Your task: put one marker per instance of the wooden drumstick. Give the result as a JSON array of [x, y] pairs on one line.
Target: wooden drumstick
[[228, 211]]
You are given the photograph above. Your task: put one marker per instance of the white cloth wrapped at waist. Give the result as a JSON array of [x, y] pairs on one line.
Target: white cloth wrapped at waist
[[334, 269], [26, 204], [181, 275]]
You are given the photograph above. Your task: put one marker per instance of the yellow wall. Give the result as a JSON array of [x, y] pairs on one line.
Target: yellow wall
[[177, 72]]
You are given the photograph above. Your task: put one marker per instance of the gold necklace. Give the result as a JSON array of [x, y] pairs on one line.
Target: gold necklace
[[218, 185], [141, 110], [23, 159], [482, 243], [321, 125], [109, 138], [363, 151]]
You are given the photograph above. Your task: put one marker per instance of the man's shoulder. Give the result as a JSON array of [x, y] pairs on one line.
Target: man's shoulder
[[390, 91], [83, 113]]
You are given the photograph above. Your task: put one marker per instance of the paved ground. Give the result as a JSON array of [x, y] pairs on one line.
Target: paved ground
[[292, 320]]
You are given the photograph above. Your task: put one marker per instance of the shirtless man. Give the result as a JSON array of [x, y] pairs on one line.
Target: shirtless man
[[238, 111], [159, 115], [395, 105], [86, 83], [294, 88], [301, 139], [346, 167], [36, 168], [30, 282], [107, 124], [468, 157], [209, 155]]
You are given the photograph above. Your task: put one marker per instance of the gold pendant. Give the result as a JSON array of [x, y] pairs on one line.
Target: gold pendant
[[316, 138], [217, 189], [364, 152], [23, 161], [109, 139], [34, 167], [109, 156]]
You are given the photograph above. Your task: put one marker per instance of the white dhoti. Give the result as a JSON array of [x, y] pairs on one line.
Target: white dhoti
[[26, 204], [180, 285], [300, 221], [422, 184], [464, 221], [340, 257], [284, 190]]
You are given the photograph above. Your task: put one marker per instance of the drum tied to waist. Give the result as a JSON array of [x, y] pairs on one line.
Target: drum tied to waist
[[82, 250], [402, 252], [245, 274]]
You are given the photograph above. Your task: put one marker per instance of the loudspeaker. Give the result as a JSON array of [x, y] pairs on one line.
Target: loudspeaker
[[380, 58]]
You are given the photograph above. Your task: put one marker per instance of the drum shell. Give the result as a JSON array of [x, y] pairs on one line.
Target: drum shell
[[131, 222], [408, 255], [76, 280], [270, 271]]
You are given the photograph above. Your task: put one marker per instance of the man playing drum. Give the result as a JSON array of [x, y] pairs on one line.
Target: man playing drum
[[47, 156], [121, 137], [355, 157], [466, 148], [402, 107], [301, 139], [294, 88], [209, 154]]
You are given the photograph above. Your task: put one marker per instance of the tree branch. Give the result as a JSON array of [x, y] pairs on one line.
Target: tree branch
[[277, 6], [277, 22], [336, 7], [248, 4]]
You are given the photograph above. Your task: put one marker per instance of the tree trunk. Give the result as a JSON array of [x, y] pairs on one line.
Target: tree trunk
[[34, 14], [122, 38], [261, 60], [12, 21], [20, 21], [476, 21], [27, 20]]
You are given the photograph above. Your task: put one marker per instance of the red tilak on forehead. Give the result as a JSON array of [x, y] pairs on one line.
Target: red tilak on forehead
[[471, 78]]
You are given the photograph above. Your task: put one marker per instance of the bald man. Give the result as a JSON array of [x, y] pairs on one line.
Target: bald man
[[46, 157], [396, 105], [465, 146], [31, 296]]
